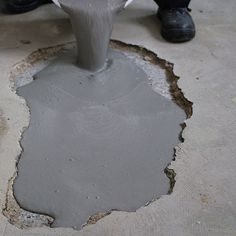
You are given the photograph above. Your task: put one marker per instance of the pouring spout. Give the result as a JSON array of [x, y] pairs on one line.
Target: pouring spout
[[58, 4]]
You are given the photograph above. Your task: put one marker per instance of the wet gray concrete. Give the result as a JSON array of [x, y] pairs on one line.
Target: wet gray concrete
[[92, 22], [95, 142]]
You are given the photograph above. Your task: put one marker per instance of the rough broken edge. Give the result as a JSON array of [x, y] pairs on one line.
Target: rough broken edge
[[24, 219], [15, 214]]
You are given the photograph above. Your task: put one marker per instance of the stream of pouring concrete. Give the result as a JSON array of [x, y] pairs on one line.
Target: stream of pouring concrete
[[92, 22]]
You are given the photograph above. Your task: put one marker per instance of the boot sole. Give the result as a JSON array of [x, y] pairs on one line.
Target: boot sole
[[177, 35]]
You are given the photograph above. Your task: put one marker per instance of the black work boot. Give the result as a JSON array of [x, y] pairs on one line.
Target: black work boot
[[21, 6], [176, 24]]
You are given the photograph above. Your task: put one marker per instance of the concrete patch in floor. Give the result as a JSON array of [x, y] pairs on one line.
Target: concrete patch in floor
[[139, 165]]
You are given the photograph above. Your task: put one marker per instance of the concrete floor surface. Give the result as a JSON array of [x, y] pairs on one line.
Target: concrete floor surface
[[203, 201]]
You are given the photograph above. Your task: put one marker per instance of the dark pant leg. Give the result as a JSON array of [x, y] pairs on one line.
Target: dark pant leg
[[172, 3]]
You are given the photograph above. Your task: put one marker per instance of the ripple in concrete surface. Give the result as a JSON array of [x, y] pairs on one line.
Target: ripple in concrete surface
[[94, 144]]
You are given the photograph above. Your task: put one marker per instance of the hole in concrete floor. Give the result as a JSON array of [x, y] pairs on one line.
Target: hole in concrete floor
[[94, 145]]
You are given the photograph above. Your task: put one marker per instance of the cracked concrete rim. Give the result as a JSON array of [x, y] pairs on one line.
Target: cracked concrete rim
[[24, 219]]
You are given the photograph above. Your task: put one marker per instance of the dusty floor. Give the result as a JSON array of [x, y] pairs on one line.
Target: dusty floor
[[203, 201]]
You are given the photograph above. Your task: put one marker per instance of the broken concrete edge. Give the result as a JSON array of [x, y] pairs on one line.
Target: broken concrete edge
[[11, 209], [20, 217], [147, 55], [176, 92], [24, 219]]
